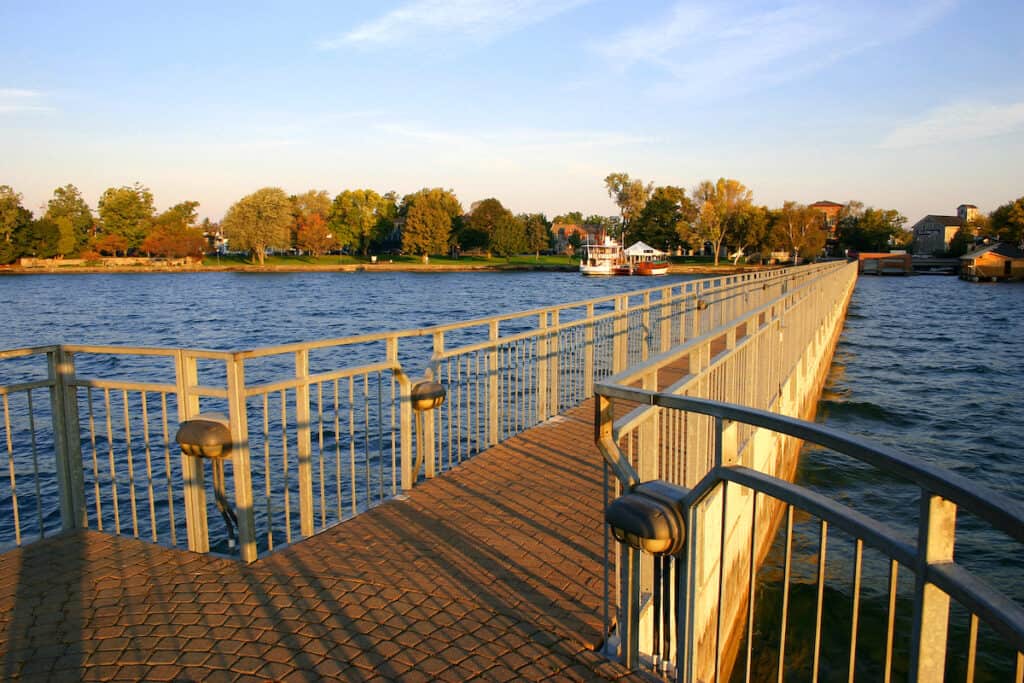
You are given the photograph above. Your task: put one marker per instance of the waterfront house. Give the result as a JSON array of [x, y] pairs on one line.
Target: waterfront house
[[999, 261], [933, 233]]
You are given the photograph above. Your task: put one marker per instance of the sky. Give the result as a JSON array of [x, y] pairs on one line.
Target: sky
[[914, 105]]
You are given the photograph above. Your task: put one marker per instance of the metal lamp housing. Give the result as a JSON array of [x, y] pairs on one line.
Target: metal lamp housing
[[427, 395], [206, 435], [650, 518]]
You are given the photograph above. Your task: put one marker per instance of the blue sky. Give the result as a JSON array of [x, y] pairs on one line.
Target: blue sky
[[912, 105]]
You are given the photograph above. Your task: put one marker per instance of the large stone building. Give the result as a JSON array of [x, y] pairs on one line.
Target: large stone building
[[933, 233]]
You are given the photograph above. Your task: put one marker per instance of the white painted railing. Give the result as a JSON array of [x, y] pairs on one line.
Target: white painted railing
[[726, 434], [320, 430]]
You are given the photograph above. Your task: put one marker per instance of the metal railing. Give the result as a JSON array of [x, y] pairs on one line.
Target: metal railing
[[916, 640], [727, 433], [320, 430]]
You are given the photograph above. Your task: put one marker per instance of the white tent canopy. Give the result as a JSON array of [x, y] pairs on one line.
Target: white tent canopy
[[641, 251]]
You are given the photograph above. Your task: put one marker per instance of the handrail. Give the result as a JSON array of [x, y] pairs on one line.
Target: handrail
[[1002, 512]]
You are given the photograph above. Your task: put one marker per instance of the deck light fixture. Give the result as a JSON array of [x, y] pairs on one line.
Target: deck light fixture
[[207, 435], [650, 518]]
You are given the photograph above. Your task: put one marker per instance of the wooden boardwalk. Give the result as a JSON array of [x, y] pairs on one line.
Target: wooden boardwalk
[[491, 572]]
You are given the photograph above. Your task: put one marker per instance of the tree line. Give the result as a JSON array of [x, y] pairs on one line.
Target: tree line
[[718, 214]]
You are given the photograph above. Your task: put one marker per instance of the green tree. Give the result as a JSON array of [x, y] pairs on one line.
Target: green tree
[[720, 206], [870, 230], [1007, 222], [630, 196], [73, 217], [260, 221], [571, 218], [128, 212], [429, 215], [801, 226], [754, 228], [487, 219], [664, 221], [538, 232], [355, 218], [14, 220]]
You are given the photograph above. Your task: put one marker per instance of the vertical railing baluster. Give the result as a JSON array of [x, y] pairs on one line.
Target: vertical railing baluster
[[97, 490], [787, 568], [35, 463], [820, 599], [493, 405], [11, 470], [972, 648], [169, 477], [890, 630], [855, 618], [131, 464], [147, 449]]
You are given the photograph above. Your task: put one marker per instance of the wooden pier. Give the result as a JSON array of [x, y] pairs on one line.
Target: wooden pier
[[492, 572]]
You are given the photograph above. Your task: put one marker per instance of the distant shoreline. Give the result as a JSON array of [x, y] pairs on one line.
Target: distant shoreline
[[675, 269]]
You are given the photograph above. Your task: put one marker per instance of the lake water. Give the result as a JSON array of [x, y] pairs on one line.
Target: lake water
[[930, 366]]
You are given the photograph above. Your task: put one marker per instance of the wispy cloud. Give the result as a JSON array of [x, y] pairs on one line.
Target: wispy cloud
[[14, 100], [957, 122], [731, 47], [477, 20]]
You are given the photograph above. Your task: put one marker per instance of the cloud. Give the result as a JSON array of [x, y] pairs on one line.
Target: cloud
[[958, 122], [478, 20], [728, 48], [14, 100]]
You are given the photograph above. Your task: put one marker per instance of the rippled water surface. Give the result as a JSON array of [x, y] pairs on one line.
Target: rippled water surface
[[249, 310]]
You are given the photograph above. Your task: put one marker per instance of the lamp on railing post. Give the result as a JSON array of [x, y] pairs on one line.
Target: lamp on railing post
[[426, 395], [650, 518], [206, 436]]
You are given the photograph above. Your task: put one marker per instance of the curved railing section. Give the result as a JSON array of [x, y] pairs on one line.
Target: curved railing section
[[923, 642]]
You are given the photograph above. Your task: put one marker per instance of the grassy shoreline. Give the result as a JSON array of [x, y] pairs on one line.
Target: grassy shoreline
[[350, 264]]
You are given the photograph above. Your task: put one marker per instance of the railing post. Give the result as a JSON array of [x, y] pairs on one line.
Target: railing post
[[553, 365], [935, 540], [67, 439], [588, 353], [241, 468], [405, 413], [493, 405], [304, 443], [620, 334], [191, 465], [542, 368], [665, 319], [645, 325]]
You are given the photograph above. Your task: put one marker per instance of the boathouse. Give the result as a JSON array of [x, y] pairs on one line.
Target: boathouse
[[998, 261]]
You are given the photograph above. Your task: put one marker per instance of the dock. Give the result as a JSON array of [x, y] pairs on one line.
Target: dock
[[491, 572]]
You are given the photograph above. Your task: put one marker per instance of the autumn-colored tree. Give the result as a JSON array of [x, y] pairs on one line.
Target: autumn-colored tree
[[801, 226], [630, 195], [174, 240], [260, 221], [720, 206], [110, 245], [314, 236]]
